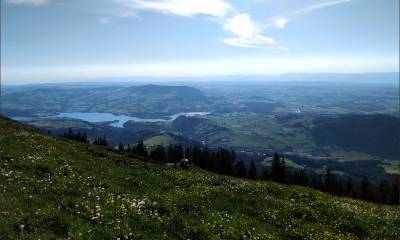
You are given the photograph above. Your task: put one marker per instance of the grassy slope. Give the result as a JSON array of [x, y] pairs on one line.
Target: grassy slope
[[52, 187], [164, 139]]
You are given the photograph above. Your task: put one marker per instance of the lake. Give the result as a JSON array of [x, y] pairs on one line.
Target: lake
[[119, 120]]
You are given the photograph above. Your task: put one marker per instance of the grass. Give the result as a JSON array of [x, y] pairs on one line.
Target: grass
[[392, 167], [164, 139], [268, 162], [52, 188], [263, 131]]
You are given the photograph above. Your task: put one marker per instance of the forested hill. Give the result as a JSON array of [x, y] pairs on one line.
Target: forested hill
[[145, 100], [59, 188]]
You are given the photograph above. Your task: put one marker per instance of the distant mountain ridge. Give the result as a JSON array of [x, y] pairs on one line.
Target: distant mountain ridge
[[192, 80]]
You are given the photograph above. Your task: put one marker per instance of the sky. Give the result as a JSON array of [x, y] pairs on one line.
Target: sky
[[69, 40]]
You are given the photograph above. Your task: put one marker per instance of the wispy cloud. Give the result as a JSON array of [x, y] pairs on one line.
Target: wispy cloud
[[28, 2], [246, 32], [105, 20], [108, 21], [281, 20], [188, 8], [243, 30], [316, 7]]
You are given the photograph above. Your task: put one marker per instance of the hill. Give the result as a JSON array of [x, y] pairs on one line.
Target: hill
[[139, 101], [58, 188], [169, 139], [375, 134]]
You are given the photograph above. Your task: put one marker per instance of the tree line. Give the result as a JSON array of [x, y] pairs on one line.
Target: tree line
[[223, 161]]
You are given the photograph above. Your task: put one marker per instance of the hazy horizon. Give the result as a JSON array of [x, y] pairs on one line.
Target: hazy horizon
[[386, 77]]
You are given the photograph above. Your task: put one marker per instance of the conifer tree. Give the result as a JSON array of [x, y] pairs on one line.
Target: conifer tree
[[252, 170], [330, 182], [241, 169], [129, 149], [395, 196], [365, 190], [121, 147], [141, 148], [383, 194], [278, 169], [159, 154], [266, 174], [349, 187]]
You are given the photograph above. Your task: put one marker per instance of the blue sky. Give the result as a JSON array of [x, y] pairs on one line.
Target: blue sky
[[67, 40]]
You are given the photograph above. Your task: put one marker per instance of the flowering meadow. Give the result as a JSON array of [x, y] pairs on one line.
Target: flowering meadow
[[55, 188]]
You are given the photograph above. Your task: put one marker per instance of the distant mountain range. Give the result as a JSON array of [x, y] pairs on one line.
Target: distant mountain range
[[130, 81]]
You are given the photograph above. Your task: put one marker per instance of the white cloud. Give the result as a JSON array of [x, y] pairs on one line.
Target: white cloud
[[281, 20], [29, 2], [241, 25], [214, 8], [247, 33]]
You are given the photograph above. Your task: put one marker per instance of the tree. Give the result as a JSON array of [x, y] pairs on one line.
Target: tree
[[70, 133], [85, 137], [365, 190], [278, 169], [330, 182], [129, 149], [349, 187], [225, 159], [383, 194], [300, 178], [121, 147], [252, 170], [241, 169], [174, 153], [141, 148], [102, 141], [159, 154], [80, 136], [265, 174], [395, 196]]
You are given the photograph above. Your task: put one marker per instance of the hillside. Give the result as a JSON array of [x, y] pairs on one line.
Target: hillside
[[169, 139], [375, 134], [139, 101], [57, 188]]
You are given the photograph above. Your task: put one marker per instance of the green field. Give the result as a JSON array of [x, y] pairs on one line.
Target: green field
[[52, 188], [164, 139], [265, 131], [288, 162]]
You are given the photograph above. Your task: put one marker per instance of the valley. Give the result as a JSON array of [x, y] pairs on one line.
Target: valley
[[314, 124]]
